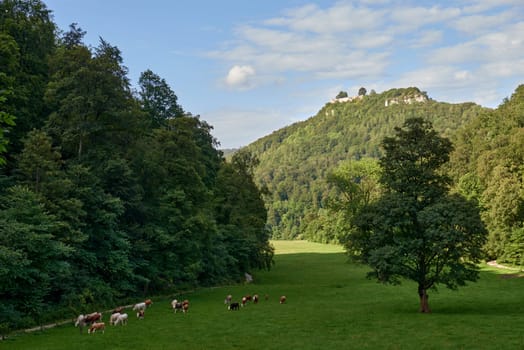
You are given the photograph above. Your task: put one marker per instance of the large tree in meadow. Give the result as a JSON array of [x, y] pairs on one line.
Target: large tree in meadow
[[417, 230]]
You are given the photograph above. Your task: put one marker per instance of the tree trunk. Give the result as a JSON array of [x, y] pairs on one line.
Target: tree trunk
[[423, 295]]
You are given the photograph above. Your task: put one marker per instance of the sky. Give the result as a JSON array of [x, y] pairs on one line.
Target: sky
[[250, 67]]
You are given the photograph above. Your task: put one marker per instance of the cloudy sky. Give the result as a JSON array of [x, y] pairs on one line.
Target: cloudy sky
[[251, 67]]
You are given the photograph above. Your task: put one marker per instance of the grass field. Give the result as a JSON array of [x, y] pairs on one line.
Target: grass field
[[330, 305]]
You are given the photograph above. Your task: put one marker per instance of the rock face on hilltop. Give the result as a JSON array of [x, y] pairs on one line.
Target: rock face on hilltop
[[295, 160]]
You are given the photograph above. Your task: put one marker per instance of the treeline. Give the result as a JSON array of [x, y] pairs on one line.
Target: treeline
[[107, 193]]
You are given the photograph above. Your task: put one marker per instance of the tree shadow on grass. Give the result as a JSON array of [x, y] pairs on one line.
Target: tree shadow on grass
[[494, 294]]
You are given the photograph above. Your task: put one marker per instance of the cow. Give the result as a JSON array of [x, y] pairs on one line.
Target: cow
[[228, 299], [176, 305], [183, 306], [255, 298], [80, 321], [234, 306], [140, 314], [244, 301], [118, 310], [100, 326], [283, 299], [148, 302], [121, 319], [93, 317], [139, 306], [113, 318]]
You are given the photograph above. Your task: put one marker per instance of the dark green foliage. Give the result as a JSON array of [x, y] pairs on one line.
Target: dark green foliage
[[295, 160], [342, 94], [416, 230], [157, 99], [32, 261], [107, 196], [30, 25], [488, 158]]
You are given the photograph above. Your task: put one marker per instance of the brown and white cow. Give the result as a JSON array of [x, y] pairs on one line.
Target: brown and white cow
[[97, 326]]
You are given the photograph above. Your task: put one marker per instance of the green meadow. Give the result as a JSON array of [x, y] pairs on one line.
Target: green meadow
[[330, 305]]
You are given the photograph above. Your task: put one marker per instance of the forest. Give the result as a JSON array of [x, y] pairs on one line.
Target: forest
[[108, 193], [298, 163]]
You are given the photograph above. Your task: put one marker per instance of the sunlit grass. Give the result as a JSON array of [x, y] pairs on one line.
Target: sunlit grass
[[330, 305]]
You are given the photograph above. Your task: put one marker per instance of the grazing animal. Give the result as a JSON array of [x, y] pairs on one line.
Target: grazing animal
[[244, 301], [97, 326], [113, 318], [228, 299], [80, 321], [140, 314], [176, 305], [118, 310], [93, 317], [282, 299], [121, 319], [255, 298], [183, 306], [234, 306], [266, 297], [148, 302], [139, 306]]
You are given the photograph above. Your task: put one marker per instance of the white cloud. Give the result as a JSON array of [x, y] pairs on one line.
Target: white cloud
[[427, 38], [412, 18], [340, 18], [476, 24], [445, 48], [240, 76]]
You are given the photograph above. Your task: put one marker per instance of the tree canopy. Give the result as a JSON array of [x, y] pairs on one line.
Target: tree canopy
[[418, 230], [107, 195]]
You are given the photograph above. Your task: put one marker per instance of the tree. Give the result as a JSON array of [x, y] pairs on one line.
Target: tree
[[9, 65], [157, 99], [33, 261], [357, 185], [416, 230], [29, 24], [362, 91], [342, 94]]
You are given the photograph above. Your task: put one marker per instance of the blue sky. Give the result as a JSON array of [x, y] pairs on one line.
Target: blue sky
[[251, 67]]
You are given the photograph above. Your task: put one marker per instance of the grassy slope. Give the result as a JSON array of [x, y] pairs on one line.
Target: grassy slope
[[331, 305]]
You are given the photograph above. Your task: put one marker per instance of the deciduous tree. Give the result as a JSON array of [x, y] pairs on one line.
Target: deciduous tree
[[417, 230]]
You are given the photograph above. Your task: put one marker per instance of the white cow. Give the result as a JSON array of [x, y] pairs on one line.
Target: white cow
[[121, 319]]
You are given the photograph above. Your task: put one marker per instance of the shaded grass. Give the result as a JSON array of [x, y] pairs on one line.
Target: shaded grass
[[331, 305]]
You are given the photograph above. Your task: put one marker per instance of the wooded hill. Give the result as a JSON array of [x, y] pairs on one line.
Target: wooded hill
[[295, 161]]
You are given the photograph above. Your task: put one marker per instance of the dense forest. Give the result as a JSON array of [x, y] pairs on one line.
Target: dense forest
[[299, 164], [108, 193]]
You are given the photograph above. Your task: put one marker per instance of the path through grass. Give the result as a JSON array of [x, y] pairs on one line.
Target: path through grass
[[330, 305]]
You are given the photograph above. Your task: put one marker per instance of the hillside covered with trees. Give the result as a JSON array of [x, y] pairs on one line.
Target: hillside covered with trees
[[295, 161], [301, 164], [108, 193]]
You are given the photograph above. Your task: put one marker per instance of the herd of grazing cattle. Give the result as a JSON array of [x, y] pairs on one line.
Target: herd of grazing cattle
[[118, 316]]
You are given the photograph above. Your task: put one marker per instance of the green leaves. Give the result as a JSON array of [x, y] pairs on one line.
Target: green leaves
[[416, 230]]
